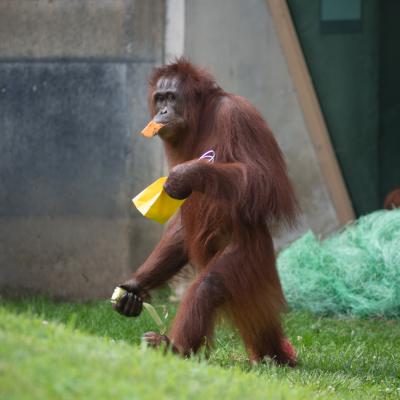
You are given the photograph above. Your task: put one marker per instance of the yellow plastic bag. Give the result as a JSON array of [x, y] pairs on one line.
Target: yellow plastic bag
[[154, 203]]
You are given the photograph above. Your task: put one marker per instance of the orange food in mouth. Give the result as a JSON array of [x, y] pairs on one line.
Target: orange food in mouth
[[151, 129]]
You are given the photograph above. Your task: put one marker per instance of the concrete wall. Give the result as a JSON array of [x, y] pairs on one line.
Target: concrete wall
[[73, 78], [72, 97], [238, 42]]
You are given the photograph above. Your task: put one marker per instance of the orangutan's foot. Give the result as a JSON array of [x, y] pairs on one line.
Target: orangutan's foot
[[286, 356], [290, 352], [155, 340]]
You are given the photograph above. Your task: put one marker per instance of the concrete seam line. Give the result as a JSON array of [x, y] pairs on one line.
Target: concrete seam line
[[174, 30]]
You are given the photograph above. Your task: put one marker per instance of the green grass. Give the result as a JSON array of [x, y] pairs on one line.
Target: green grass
[[54, 350]]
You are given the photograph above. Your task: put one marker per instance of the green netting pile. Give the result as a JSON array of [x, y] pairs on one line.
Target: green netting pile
[[356, 271]]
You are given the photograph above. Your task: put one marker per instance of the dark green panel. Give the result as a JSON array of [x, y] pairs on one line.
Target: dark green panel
[[344, 69], [390, 97], [340, 16], [340, 10]]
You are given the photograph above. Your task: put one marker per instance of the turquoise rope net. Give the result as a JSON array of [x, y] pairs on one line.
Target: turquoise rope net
[[355, 271]]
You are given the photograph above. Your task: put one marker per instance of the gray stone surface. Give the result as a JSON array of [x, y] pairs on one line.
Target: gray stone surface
[[129, 29], [64, 124], [238, 43], [71, 157]]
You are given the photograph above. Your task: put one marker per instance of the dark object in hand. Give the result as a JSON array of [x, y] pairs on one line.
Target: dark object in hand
[[127, 300]]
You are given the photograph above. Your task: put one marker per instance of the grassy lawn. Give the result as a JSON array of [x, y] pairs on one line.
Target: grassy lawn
[[82, 351]]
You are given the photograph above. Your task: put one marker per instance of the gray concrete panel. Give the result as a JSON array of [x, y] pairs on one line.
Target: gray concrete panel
[[71, 161], [73, 99], [82, 28], [66, 138]]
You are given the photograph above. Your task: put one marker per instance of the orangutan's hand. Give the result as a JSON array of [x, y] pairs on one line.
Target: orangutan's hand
[[180, 178], [129, 303]]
